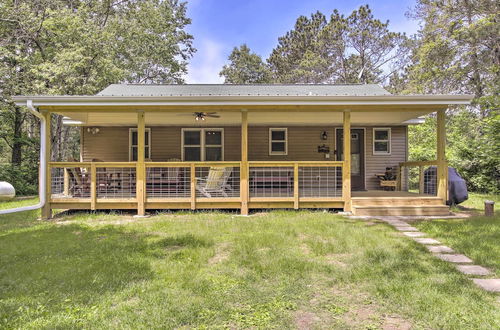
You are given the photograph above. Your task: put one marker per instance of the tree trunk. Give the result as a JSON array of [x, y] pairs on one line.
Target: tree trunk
[[17, 141]]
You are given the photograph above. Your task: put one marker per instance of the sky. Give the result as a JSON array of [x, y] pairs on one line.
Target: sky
[[220, 25]]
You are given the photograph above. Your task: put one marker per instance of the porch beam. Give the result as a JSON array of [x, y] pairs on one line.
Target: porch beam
[[46, 212], [442, 171], [141, 168], [244, 163], [346, 169]]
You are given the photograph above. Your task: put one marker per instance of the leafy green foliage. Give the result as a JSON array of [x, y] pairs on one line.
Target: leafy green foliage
[[245, 68], [80, 47], [457, 52], [354, 49]]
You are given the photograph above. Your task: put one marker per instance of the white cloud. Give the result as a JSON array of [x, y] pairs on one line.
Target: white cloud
[[206, 63]]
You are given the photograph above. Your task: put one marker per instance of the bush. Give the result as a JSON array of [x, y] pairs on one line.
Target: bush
[[23, 177]]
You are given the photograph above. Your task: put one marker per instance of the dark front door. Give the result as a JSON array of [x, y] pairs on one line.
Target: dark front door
[[357, 156]]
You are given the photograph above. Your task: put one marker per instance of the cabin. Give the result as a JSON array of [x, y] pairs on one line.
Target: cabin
[[244, 147]]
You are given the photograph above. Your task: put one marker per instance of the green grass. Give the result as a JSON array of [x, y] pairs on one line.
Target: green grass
[[476, 201], [280, 269]]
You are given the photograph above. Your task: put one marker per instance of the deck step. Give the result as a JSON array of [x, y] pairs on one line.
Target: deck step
[[411, 210], [396, 201]]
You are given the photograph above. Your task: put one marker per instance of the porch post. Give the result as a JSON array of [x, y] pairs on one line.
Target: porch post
[[46, 210], [346, 169], [140, 169], [244, 163], [442, 167]]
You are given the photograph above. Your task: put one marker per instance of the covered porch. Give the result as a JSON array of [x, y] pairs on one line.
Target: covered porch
[[245, 181]]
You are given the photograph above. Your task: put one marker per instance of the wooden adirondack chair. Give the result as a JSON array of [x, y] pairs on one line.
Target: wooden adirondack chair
[[215, 182]]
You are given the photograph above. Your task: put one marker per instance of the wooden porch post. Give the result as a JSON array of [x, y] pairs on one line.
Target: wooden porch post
[[346, 169], [442, 170], [46, 210], [244, 163], [141, 168]]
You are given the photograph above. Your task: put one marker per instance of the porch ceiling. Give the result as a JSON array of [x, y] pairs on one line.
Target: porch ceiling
[[227, 118]]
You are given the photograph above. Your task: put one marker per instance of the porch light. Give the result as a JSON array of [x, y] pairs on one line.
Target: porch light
[[324, 135]]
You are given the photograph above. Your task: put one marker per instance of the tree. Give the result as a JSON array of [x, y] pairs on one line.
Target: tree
[[457, 50], [354, 49], [375, 46], [245, 67], [301, 55], [80, 47]]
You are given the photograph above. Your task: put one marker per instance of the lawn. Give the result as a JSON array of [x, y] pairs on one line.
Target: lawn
[[280, 269], [478, 237]]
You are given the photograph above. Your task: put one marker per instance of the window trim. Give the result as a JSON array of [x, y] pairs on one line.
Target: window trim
[[389, 141], [202, 144], [130, 131], [278, 153]]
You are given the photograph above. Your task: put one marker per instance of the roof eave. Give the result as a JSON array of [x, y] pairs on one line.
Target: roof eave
[[54, 101]]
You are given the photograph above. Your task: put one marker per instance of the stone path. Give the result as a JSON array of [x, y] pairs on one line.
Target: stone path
[[443, 252]]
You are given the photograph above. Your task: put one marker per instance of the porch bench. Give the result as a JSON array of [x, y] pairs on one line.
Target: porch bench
[[262, 182]]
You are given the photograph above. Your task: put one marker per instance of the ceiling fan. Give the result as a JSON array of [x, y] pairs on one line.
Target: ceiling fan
[[202, 115]]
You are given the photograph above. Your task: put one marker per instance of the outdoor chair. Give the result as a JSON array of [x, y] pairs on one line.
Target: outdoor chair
[[79, 182], [215, 182]]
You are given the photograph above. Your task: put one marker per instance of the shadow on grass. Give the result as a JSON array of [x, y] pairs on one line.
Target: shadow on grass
[[60, 267]]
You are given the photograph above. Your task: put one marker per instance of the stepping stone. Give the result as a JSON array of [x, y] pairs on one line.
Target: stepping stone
[[455, 258], [439, 249], [488, 284], [414, 234], [426, 241], [473, 270], [397, 223], [405, 228]]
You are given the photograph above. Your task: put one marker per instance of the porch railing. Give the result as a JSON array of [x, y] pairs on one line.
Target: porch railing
[[196, 184], [418, 176]]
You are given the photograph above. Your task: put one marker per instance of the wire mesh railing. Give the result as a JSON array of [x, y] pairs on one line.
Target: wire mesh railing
[[418, 177], [278, 180], [217, 181], [168, 182], [116, 182], [271, 181], [320, 181], [193, 180], [70, 182]]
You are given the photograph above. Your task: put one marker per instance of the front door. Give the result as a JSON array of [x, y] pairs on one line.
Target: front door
[[357, 156]]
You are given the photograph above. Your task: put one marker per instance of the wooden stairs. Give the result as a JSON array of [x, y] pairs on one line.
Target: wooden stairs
[[399, 206]]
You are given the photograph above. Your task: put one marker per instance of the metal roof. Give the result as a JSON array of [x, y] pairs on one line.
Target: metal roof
[[243, 90]]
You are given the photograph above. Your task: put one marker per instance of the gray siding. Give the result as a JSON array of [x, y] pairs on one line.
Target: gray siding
[[111, 144]]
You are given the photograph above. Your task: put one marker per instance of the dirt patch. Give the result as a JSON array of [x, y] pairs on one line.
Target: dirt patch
[[395, 323], [305, 249], [221, 254], [305, 320], [344, 307]]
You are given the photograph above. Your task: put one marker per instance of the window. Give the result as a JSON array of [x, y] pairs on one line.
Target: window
[[381, 141], [278, 141], [202, 144], [132, 142]]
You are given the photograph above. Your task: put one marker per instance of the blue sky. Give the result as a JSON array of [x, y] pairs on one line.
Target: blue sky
[[220, 25]]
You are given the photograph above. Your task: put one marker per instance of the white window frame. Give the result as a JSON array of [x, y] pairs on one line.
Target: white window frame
[[389, 141], [146, 144], [202, 141], [278, 153]]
